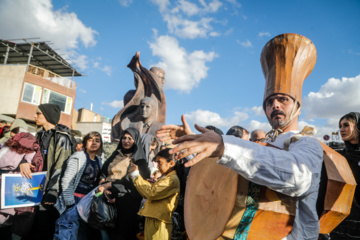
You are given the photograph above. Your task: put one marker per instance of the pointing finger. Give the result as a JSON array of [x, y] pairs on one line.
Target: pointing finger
[[201, 129]]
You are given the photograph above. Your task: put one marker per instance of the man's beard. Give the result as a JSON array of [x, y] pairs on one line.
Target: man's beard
[[277, 123]]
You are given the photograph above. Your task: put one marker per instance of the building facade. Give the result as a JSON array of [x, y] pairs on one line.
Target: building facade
[[91, 121], [32, 74]]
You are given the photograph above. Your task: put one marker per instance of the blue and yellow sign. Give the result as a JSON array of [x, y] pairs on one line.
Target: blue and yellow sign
[[17, 191]]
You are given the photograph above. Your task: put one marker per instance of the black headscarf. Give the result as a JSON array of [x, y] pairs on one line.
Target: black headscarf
[[138, 154], [352, 153], [136, 149]]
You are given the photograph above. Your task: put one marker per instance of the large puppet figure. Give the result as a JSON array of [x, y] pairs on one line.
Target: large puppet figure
[[244, 190]]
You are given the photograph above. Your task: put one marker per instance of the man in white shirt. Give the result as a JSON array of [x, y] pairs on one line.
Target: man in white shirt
[[286, 61]]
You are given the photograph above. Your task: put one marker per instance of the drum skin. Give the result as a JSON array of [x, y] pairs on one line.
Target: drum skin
[[209, 199]]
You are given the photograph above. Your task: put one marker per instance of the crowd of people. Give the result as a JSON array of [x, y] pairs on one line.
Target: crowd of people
[[137, 191], [138, 170], [144, 179]]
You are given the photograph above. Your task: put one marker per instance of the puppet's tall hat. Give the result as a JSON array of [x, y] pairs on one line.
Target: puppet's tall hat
[[286, 61]]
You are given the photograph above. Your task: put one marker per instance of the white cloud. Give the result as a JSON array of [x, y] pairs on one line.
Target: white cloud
[[186, 7], [184, 70], [191, 9], [331, 126], [200, 25], [185, 28], [80, 61], [258, 110], [82, 90], [38, 18], [115, 103], [107, 70], [352, 52], [212, 7], [233, 2], [334, 99], [125, 3], [246, 44], [163, 4], [254, 125], [229, 32], [266, 34], [214, 34], [204, 118]]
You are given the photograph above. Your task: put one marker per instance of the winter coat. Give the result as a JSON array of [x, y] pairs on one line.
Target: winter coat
[[57, 148], [75, 167], [162, 196]]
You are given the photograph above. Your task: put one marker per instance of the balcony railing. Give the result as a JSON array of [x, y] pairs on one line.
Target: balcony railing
[[44, 73]]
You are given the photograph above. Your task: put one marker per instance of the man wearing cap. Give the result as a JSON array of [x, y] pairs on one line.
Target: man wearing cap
[[55, 145], [295, 172]]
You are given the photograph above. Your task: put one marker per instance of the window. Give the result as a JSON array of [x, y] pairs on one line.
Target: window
[[31, 94], [63, 101]]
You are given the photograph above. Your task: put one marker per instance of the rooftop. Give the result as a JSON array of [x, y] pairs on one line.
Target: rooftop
[[42, 55]]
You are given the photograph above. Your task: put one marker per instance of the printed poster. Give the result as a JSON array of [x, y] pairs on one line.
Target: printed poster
[[18, 191]]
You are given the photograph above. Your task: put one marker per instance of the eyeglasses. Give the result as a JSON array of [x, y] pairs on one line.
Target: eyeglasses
[[259, 140]]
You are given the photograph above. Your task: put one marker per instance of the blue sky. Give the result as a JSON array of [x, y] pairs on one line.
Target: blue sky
[[210, 50]]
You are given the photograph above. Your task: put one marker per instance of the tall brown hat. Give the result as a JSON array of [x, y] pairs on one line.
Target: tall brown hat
[[286, 61]]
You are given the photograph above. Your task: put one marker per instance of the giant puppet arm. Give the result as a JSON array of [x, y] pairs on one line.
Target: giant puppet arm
[[289, 172]]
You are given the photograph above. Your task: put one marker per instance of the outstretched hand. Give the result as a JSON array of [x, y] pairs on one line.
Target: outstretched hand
[[172, 132], [207, 144]]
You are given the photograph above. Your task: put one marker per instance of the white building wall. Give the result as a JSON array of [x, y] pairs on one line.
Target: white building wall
[[103, 128], [11, 81]]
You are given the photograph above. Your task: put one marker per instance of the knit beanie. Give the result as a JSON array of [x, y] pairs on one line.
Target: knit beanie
[[51, 112]]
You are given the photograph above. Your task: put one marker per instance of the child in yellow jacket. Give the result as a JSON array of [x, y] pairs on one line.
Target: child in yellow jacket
[[162, 197]]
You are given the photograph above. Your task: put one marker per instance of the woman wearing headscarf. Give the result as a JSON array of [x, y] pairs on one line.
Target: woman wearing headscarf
[[116, 179], [19, 154], [349, 126], [17, 123]]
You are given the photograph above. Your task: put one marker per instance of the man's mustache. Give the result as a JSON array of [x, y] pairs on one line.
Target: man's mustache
[[277, 112]]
